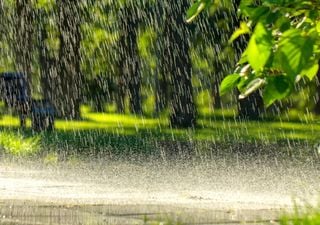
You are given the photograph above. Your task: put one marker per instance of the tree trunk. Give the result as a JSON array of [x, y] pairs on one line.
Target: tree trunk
[[129, 61], [162, 92], [120, 101], [24, 40], [161, 78], [317, 105], [46, 62], [216, 95], [70, 77], [176, 34], [24, 50], [219, 73], [251, 107], [122, 83]]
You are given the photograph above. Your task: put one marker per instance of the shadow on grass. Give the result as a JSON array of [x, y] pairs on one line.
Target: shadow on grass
[[127, 135], [166, 143], [266, 118]]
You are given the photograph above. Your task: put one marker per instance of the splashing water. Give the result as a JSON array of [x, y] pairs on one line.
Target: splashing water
[[243, 189]]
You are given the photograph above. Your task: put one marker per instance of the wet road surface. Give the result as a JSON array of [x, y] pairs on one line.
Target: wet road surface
[[126, 193]]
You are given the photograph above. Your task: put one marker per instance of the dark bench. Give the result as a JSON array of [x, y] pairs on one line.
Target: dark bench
[[14, 91]]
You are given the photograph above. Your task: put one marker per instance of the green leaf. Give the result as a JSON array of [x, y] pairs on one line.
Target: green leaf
[[314, 14], [244, 57], [318, 26], [283, 23], [260, 47], [256, 13], [311, 71], [244, 81], [250, 9], [277, 88], [196, 9], [229, 83], [294, 52], [243, 29], [271, 17], [252, 87]]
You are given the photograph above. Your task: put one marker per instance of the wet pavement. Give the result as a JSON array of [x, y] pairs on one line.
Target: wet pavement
[[124, 193], [28, 212]]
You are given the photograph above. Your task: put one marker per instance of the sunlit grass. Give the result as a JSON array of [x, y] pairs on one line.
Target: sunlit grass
[[308, 215], [207, 129], [18, 145], [124, 120], [111, 121], [127, 133], [9, 121]]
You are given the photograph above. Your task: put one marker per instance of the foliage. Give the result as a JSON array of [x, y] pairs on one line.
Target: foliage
[[18, 145], [283, 46], [278, 30], [196, 8], [309, 215]]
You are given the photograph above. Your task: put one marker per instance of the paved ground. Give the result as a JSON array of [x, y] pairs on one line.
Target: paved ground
[[26, 212], [127, 193]]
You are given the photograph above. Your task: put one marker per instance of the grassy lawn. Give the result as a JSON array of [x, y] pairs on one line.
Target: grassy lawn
[[306, 215], [123, 133]]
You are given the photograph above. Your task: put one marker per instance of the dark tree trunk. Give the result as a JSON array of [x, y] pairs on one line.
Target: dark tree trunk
[[121, 100], [162, 92], [219, 73], [130, 77], [70, 77], [122, 83], [24, 49], [24, 39], [216, 95], [161, 78], [176, 34], [24, 42], [252, 107], [317, 105], [47, 63], [44, 61], [121, 90], [99, 105]]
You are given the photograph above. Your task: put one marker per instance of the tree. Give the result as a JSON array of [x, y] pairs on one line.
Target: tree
[[129, 65], [47, 57], [162, 80], [176, 47], [317, 105], [70, 76], [214, 30], [24, 41], [283, 46], [216, 26], [7, 15]]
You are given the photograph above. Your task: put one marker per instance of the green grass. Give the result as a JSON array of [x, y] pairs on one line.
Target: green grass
[[308, 215], [16, 144], [128, 134]]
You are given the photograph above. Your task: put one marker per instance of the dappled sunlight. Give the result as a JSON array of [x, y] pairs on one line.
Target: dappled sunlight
[[125, 120], [9, 121], [151, 112], [217, 130]]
